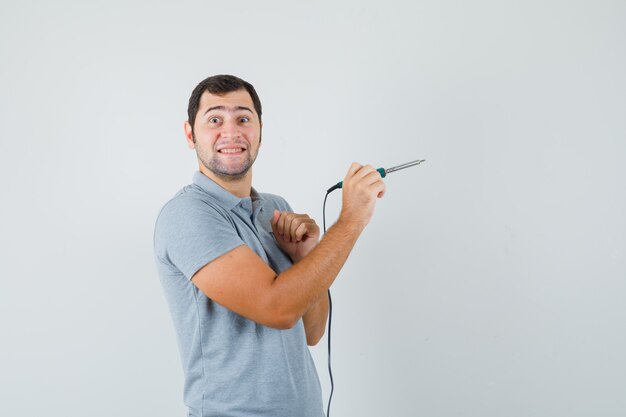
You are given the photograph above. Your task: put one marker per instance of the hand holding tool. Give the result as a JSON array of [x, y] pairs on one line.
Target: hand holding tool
[[383, 172]]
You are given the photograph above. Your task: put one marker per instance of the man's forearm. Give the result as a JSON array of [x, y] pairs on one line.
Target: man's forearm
[[299, 287], [315, 320]]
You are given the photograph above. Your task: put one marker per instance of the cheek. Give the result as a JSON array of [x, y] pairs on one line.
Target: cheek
[[207, 138], [253, 134]]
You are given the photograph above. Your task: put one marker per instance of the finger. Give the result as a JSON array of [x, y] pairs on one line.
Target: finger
[[378, 188], [275, 217], [363, 173], [354, 167], [292, 221], [301, 232], [284, 222], [274, 222], [382, 193], [291, 229], [308, 229], [298, 220], [372, 177], [352, 170], [293, 225], [280, 224], [302, 219], [312, 228]]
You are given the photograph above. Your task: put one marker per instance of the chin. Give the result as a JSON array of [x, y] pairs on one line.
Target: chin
[[233, 175]]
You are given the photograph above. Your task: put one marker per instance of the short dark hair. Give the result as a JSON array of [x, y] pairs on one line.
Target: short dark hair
[[220, 84]]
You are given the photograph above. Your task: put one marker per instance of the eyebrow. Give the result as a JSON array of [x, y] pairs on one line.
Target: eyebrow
[[228, 109]]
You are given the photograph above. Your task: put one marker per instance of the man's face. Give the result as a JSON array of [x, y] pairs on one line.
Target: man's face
[[226, 134]]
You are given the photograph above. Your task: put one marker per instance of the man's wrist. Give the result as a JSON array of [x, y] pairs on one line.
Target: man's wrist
[[351, 225]]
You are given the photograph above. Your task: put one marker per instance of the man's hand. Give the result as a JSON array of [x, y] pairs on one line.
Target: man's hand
[[296, 234], [361, 187]]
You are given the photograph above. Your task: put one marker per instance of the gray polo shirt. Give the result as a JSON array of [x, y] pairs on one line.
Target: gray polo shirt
[[233, 367]]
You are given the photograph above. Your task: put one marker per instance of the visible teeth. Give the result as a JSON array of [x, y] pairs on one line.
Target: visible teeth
[[235, 150]]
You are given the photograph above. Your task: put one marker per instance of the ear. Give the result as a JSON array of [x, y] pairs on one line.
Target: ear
[[189, 135]]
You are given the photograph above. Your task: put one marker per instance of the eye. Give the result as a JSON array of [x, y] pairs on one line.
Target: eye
[[214, 120], [244, 119]]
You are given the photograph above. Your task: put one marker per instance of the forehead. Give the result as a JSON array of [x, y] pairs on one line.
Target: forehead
[[231, 99]]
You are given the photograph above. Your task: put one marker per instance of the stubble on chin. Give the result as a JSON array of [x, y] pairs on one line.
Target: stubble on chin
[[220, 171]]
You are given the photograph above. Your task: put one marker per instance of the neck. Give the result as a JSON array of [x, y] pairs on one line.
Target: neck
[[240, 188]]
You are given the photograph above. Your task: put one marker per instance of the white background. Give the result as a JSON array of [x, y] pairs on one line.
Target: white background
[[492, 279]]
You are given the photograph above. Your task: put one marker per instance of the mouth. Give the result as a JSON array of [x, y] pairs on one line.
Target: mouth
[[231, 151]]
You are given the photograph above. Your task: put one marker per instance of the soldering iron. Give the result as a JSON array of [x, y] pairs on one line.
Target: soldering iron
[[383, 172]]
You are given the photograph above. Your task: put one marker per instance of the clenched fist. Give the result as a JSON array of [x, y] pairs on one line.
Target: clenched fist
[[296, 234]]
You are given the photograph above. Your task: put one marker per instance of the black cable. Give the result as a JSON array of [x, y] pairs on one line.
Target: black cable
[[330, 371], [330, 311]]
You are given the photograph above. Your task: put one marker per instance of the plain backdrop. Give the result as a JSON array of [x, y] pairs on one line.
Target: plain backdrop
[[492, 279]]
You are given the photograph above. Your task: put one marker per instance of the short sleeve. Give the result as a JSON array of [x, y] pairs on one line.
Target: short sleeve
[[190, 233]]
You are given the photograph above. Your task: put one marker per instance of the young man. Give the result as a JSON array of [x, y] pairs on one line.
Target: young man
[[246, 279]]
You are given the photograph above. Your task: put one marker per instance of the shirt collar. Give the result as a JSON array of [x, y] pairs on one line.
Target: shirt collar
[[222, 196]]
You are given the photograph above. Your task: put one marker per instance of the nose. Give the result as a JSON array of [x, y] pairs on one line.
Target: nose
[[230, 130]]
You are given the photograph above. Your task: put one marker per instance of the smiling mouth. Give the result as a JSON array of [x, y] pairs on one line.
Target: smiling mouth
[[231, 150]]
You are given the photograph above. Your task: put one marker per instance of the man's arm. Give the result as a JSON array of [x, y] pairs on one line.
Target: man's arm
[[315, 320], [240, 280], [297, 235]]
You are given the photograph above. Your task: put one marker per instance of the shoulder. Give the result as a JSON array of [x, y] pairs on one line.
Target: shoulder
[[189, 205]]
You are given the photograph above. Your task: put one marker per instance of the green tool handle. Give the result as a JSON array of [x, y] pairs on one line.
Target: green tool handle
[[381, 171]]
